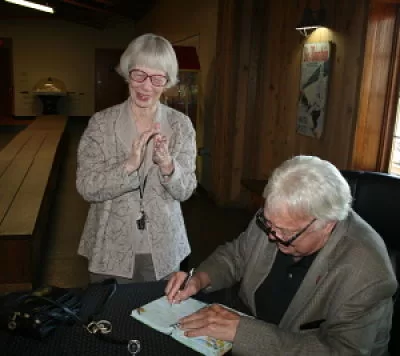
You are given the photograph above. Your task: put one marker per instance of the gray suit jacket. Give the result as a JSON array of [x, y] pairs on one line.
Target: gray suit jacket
[[349, 285], [110, 238]]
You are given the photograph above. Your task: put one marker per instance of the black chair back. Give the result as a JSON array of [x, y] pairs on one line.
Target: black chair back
[[377, 200]]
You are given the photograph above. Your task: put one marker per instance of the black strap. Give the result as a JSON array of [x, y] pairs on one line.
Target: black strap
[[107, 297], [141, 190], [102, 328]]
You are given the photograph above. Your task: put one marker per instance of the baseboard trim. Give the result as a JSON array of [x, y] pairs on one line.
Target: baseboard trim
[[24, 117], [12, 128]]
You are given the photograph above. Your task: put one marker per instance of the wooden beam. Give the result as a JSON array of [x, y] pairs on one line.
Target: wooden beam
[[385, 2], [105, 2], [75, 3]]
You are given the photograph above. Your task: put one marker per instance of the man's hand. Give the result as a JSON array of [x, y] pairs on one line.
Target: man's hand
[[214, 320], [173, 290]]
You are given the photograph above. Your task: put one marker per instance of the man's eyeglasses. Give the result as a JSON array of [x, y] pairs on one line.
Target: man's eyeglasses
[[266, 225], [139, 76]]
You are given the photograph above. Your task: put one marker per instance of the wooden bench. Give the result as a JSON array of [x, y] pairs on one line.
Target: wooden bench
[[29, 165]]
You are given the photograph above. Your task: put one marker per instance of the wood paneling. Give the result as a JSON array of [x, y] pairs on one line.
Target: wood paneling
[[258, 88], [375, 84], [257, 74], [226, 86], [246, 10], [281, 85], [256, 65], [15, 257]]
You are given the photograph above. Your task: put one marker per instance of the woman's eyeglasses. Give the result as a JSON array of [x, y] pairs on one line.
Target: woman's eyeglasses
[[264, 224], [139, 76]]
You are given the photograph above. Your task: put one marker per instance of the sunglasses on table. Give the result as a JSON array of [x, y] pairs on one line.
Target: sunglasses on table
[[265, 225]]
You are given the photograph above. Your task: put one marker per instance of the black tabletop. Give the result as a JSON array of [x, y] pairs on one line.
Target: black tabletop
[[73, 340]]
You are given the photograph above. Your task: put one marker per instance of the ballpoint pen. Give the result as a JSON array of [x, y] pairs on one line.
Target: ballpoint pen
[[185, 283], [187, 279]]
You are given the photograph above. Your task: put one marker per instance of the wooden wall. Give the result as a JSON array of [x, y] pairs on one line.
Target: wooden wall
[[379, 91], [251, 84], [258, 60]]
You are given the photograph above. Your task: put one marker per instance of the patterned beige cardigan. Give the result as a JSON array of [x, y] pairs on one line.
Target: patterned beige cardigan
[[110, 237]]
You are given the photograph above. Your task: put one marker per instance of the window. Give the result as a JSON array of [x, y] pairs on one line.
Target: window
[[394, 164]]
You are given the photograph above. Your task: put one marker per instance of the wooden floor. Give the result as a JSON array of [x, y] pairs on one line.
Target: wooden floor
[[207, 224]]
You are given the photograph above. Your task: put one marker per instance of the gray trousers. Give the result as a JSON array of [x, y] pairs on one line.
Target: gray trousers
[[143, 272]]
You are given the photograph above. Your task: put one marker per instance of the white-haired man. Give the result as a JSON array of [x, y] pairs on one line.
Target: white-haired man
[[317, 277]]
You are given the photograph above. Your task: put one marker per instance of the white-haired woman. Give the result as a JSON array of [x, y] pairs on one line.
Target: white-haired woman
[[315, 275], [136, 163]]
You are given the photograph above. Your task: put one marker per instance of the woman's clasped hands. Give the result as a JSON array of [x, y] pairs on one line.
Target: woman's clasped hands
[[161, 155], [138, 149]]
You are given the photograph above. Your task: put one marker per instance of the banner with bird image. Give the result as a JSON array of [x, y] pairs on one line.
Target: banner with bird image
[[315, 70]]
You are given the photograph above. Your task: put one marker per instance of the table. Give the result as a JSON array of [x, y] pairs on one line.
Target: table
[[73, 340], [30, 165], [49, 102]]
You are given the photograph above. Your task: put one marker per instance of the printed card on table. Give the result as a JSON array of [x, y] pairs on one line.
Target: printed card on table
[[160, 315]]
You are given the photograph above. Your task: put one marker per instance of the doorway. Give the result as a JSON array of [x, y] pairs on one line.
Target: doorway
[[110, 87], [6, 75]]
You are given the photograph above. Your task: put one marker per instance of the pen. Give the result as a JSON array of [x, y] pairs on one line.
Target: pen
[[187, 280]]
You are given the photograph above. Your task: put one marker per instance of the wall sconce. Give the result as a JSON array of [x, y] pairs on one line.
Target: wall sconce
[[33, 5], [311, 20]]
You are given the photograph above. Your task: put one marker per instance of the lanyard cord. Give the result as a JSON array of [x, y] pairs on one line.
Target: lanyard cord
[[141, 190], [141, 193]]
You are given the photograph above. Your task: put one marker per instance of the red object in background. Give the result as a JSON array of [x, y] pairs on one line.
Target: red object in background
[[1, 43], [187, 58]]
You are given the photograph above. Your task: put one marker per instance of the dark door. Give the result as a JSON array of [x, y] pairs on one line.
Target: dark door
[[111, 89], [6, 78]]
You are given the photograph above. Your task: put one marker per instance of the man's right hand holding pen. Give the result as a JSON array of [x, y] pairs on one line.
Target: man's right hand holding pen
[[214, 320], [183, 285]]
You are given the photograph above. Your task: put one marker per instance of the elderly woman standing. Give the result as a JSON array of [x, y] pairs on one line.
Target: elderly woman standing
[[136, 163]]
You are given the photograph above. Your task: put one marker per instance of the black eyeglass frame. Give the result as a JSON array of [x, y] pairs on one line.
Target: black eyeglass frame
[[145, 76], [265, 225]]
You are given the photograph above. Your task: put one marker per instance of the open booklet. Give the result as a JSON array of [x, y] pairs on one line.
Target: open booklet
[[161, 315]]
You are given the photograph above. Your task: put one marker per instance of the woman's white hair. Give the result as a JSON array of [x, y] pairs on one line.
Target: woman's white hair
[[150, 51], [309, 186]]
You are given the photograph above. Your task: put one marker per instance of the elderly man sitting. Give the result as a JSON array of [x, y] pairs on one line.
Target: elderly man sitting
[[315, 275]]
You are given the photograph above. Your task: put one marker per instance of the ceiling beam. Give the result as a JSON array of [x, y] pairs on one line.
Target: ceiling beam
[[105, 2], [75, 3]]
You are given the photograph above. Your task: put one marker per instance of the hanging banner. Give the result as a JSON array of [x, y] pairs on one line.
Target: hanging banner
[[315, 69]]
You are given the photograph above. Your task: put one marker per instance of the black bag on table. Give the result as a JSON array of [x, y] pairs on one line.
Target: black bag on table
[[37, 313]]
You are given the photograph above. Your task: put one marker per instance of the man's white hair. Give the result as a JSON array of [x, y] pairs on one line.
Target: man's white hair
[[309, 186]]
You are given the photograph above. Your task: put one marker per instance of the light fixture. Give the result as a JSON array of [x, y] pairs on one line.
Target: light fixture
[[311, 20], [32, 5]]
